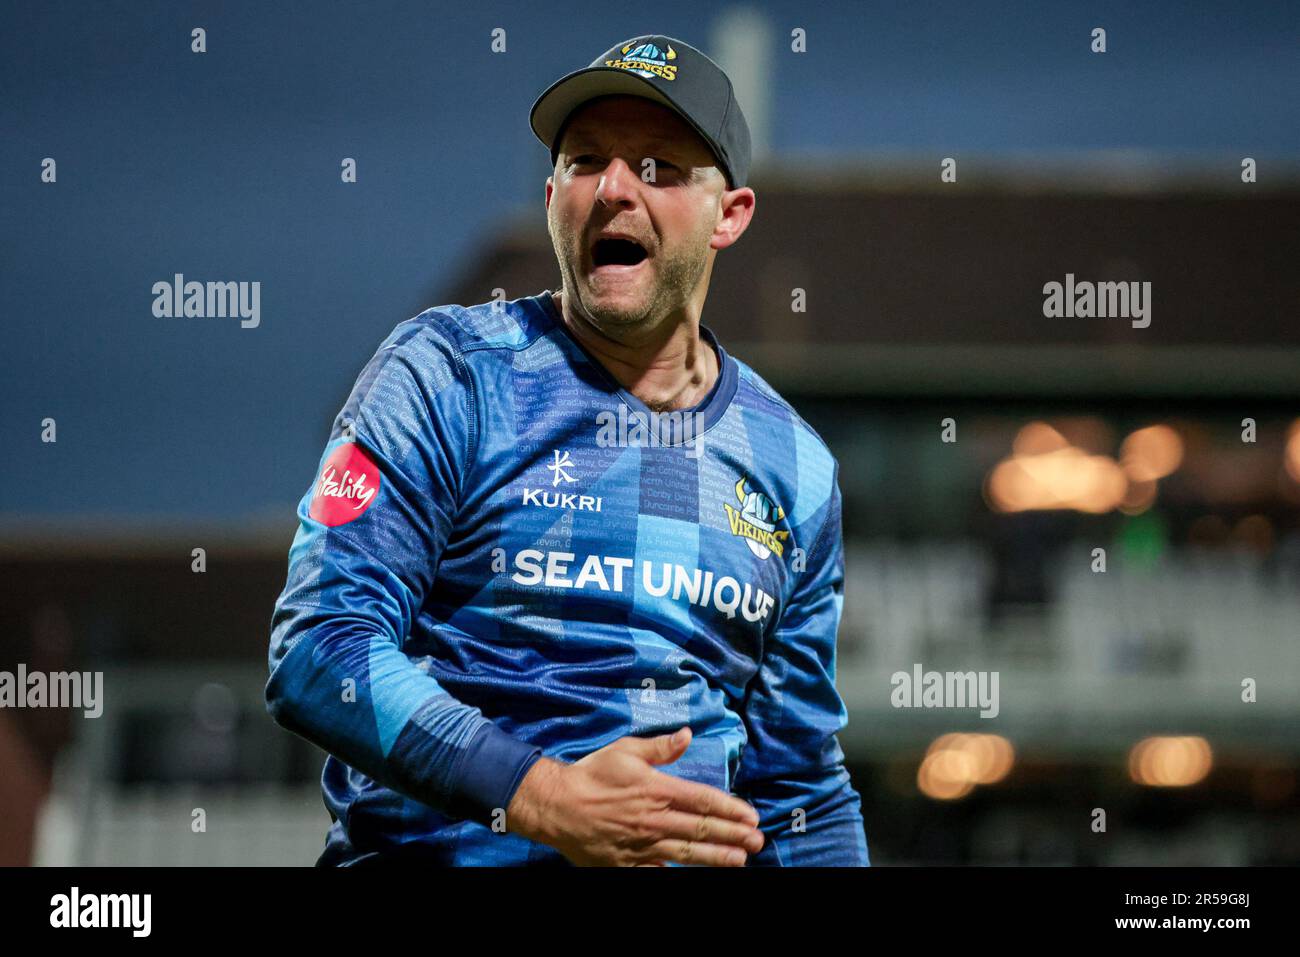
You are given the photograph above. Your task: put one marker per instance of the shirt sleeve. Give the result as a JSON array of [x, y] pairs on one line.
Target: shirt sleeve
[[792, 769], [371, 530]]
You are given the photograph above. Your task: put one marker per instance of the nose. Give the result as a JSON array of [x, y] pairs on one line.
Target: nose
[[617, 183]]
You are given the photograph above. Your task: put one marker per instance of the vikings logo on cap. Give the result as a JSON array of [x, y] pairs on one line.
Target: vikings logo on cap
[[647, 60], [756, 520]]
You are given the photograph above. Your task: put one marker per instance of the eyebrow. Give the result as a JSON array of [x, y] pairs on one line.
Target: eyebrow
[[581, 136]]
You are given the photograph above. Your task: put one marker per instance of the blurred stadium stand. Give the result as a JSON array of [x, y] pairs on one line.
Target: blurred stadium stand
[[918, 289]]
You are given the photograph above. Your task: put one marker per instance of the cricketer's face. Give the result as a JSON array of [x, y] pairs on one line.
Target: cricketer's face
[[636, 210]]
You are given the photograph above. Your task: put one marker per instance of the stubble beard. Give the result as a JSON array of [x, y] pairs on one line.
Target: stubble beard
[[675, 274]]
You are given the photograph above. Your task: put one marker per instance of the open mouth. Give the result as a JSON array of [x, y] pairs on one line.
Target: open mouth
[[617, 252]]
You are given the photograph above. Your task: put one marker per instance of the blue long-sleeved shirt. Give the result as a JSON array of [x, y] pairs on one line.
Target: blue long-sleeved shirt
[[504, 554]]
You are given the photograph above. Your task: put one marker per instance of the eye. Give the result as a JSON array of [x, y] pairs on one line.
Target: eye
[[584, 159], [662, 164]]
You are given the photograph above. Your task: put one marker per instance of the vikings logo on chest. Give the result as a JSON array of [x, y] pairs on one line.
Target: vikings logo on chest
[[755, 521]]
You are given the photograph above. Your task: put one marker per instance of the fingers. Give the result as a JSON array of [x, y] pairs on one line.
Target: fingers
[[700, 799], [687, 823], [710, 830], [695, 852], [661, 749]]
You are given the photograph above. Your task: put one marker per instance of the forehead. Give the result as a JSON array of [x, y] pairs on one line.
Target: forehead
[[631, 119]]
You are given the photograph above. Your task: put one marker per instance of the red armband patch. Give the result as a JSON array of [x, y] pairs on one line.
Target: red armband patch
[[349, 481]]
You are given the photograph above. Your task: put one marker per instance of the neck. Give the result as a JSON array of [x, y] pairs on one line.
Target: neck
[[669, 367]]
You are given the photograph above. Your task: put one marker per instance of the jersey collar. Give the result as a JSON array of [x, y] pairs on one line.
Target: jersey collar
[[711, 408]]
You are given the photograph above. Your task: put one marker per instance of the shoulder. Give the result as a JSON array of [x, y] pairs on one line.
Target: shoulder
[[421, 373], [758, 396], [430, 351], [454, 331], [805, 471]]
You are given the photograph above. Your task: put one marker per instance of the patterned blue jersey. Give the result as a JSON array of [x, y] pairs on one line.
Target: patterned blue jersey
[[504, 554]]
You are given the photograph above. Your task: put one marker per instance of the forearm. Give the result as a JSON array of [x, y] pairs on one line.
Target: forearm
[[363, 701]]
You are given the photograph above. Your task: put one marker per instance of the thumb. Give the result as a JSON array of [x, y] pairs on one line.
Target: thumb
[[671, 746], [663, 749]]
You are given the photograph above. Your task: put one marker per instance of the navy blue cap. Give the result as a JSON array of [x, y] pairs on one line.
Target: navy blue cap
[[666, 71]]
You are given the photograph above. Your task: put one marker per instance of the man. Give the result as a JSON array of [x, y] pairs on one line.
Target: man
[[548, 533]]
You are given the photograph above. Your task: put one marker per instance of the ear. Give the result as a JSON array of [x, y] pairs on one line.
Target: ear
[[550, 188], [735, 210]]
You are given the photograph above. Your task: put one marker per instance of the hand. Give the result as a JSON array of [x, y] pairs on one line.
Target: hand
[[612, 808]]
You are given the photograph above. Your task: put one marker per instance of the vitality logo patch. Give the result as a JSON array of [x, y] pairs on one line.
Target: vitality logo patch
[[756, 520], [347, 485]]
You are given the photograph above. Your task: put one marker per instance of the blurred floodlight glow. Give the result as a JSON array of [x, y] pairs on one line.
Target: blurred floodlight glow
[[946, 775], [956, 762], [1139, 497], [1292, 455], [1044, 471], [1038, 438], [1063, 478], [1170, 762], [1151, 453], [993, 757]]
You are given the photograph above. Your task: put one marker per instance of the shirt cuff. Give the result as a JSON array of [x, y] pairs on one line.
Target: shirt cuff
[[490, 770]]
